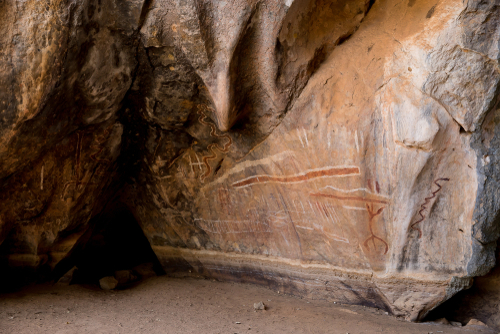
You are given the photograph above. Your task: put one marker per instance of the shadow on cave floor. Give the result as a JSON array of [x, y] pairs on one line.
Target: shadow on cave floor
[[115, 247], [481, 301]]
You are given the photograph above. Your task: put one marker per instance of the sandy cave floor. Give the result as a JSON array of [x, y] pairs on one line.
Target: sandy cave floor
[[168, 305]]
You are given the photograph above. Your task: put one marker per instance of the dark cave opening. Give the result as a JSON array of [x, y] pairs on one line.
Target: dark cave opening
[[114, 245]]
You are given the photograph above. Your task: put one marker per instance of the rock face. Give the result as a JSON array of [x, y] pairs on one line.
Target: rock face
[[477, 304], [344, 150]]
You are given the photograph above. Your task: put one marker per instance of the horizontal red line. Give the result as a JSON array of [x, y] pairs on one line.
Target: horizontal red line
[[298, 178], [350, 198]]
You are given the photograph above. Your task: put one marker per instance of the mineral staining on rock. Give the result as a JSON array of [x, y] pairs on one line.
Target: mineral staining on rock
[[333, 149]]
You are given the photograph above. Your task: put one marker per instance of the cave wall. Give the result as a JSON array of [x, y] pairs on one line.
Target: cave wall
[[65, 67], [343, 150]]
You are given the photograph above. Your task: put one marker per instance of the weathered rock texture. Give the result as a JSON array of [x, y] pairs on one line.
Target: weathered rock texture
[[338, 149], [480, 302]]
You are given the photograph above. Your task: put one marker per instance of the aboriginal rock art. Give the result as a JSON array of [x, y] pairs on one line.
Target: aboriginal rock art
[[212, 147], [328, 219], [423, 207], [225, 202], [301, 177], [195, 164], [78, 181], [97, 148], [350, 198], [371, 197], [233, 226], [318, 216], [372, 214], [298, 130]]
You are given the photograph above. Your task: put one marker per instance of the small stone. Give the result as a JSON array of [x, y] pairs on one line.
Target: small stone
[[108, 283], [238, 323], [347, 311], [475, 322], [68, 277], [144, 270], [259, 306], [125, 277], [456, 323]]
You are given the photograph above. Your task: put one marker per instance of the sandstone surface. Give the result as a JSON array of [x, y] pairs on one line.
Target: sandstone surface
[[337, 149]]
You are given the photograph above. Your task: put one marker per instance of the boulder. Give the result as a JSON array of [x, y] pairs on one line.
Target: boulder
[[475, 322], [68, 277], [144, 270], [108, 283], [125, 277]]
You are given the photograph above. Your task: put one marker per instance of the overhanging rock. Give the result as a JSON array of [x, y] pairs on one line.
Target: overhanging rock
[[344, 150]]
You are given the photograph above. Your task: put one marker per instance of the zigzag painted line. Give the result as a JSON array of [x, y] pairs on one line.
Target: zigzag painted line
[[212, 147], [423, 207]]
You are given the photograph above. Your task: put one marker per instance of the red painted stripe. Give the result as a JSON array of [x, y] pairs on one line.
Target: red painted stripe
[[298, 178], [350, 198]]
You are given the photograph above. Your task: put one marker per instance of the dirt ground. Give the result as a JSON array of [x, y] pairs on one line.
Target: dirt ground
[[167, 305]]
